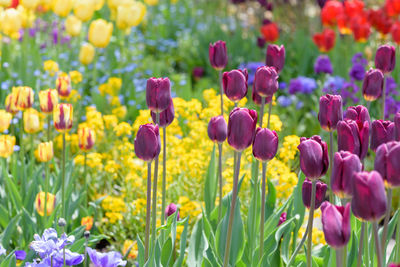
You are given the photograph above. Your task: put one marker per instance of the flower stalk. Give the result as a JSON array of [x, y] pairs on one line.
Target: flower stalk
[[148, 207], [262, 219], [377, 244], [164, 181], [361, 244], [310, 223], [154, 200], [220, 180], [387, 217]]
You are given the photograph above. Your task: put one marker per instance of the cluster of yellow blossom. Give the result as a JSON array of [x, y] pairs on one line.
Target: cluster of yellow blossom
[[114, 207], [318, 237]]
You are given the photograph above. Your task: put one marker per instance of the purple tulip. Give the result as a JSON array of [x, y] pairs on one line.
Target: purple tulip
[[330, 111], [314, 161], [369, 196], [282, 218], [109, 259], [345, 164], [373, 84], [218, 55], [261, 42], [147, 142], [198, 72], [397, 126], [385, 58], [266, 81], [394, 265], [158, 94], [276, 57], [166, 117], [382, 132], [320, 193], [387, 162], [353, 136], [241, 128], [257, 98], [265, 144], [358, 113], [217, 129], [336, 224], [171, 209], [234, 83]]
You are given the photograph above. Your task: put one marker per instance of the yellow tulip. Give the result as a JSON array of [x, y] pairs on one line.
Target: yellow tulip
[[48, 100], [51, 67], [5, 120], [10, 104], [7, 143], [84, 9], [29, 4], [130, 14], [100, 32], [73, 25], [151, 2], [98, 4], [45, 151], [22, 97], [62, 7], [63, 116], [10, 22], [50, 205], [86, 54], [86, 138], [5, 3], [63, 85], [31, 121]]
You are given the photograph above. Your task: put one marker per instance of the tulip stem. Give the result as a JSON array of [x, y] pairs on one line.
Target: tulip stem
[[398, 237], [22, 154], [220, 180], [387, 217], [269, 114], [48, 128], [148, 206], [330, 165], [164, 182], [262, 219], [298, 247], [339, 257], [262, 111], [46, 190], [383, 97], [232, 211], [85, 179], [31, 155], [154, 201], [377, 243], [63, 177], [360, 246], [221, 91], [310, 223]]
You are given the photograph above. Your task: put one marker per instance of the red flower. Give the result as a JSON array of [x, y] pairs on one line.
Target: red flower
[[343, 24], [14, 4], [325, 40], [379, 20], [330, 12], [392, 7], [270, 31], [395, 31], [361, 29], [353, 7]]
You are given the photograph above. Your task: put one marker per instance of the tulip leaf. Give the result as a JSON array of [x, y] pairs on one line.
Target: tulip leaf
[[13, 192], [197, 245], [211, 184], [6, 235], [4, 218], [166, 252], [140, 251], [270, 200], [352, 257], [179, 261]]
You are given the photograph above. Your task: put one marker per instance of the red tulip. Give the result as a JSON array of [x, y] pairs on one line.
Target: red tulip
[[325, 41], [329, 13], [270, 32]]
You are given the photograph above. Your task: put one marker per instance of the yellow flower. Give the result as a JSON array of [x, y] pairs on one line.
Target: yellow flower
[[120, 112], [31, 121], [87, 138], [22, 97], [76, 76], [62, 7], [123, 129], [11, 22], [98, 4], [130, 14], [84, 9], [100, 32], [73, 25], [110, 121], [5, 120], [88, 222], [63, 85], [51, 67], [132, 246], [10, 104], [114, 85], [48, 100], [63, 117], [45, 151], [50, 205], [5, 3], [7, 143], [29, 4], [86, 54], [151, 2]]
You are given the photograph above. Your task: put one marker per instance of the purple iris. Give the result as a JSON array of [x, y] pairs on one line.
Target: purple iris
[[284, 101], [302, 85], [323, 65], [109, 259]]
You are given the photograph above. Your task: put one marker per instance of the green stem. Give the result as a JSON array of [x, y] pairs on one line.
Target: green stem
[[310, 223], [221, 92], [164, 181], [85, 179], [360, 246], [46, 190], [386, 220], [377, 243], [148, 205], [63, 177], [220, 181], [22, 154], [366, 245], [48, 128], [262, 111], [154, 201], [339, 257], [31, 156], [232, 211], [383, 97], [262, 219], [330, 164], [298, 247], [269, 114]]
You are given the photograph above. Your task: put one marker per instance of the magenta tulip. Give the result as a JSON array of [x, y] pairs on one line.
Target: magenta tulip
[[345, 164], [171, 209], [385, 58], [166, 117], [330, 111], [266, 81], [218, 55], [397, 126], [353, 136], [276, 57], [265, 144], [387, 163], [336, 224], [217, 129], [234, 83], [147, 142], [319, 193], [241, 128], [382, 132], [158, 94], [314, 161], [358, 113], [373, 84]]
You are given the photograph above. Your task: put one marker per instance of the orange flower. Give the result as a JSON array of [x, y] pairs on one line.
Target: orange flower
[[88, 222], [330, 12], [325, 40], [270, 32]]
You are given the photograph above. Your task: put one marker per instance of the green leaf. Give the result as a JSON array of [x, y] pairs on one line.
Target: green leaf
[[179, 261], [197, 245], [13, 192], [270, 200], [211, 184], [9, 231], [352, 257], [140, 251]]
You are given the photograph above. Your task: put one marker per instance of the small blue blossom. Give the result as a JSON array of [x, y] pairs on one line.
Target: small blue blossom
[[302, 85], [109, 259]]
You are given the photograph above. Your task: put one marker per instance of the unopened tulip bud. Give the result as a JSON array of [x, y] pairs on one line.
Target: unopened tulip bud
[[382, 132], [387, 163], [241, 128], [22, 97], [369, 196], [158, 94], [373, 84], [40, 201], [282, 218], [48, 100], [336, 224], [166, 117], [10, 104], [314, 161], [63, 85], [353, 136], [218, 55], [358, 113], [265, 144], [276, 57], [330, 111], [7, 143], [63, 117], [5, 120], [86, 138], [45, 151], [217, 129], [345, 164], [397, 126], [266, 81], [147, 142], [171, 209], [31, 121], [234, 83], [385, 58], [306, 191]]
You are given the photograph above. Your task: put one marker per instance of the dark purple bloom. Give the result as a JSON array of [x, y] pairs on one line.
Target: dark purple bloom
[[357, 72], [382, 132], [198, 72], [358, 113], [171, 209], [282, 218], [323, 65], [345, 164], [373, 84], [217, 129], [109, 259], [336, 224], [166, 117], [320, 192], [257, 98], [387, 162], [147, 142], [385, 58], [314, 160], [330, 111], [217, 55], [266, 81], [261, 42], [241, 128], [353, 136], [158, 94], [20, 255], [234, 83], [397, 126], [265, 144], [276, 57]]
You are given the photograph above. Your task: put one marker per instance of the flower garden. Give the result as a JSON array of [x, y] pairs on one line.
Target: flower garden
[[199, 133]]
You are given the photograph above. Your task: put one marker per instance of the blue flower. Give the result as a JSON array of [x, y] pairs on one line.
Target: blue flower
[[20, 255], [323, 65], [110, 259], [251, 69], [333, 85], [303, 85], [284, 101], [49, 243]]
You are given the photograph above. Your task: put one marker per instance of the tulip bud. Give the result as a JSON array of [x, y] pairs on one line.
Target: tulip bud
[[265, 144], [282, 218], [218, 55], [257, 98], [73, 25], [306, 191], [276, 57], [130, 14], [10, 104], [86, 54], [382, 132], [100, 32], [147, 142], [234, 83], [87, 222], [48, 100], [166, 117], [45, 151], [385, 58], [31, 121], [63, 116], [314, 161], [7, 143], [345, 164], [22, 97], [369, 196], [5, 120], [50, 205], [241, 128], [63, 85], [336, 224], [397, 126], [171, 209], [330, 111], [373, 84], [158, 94], [358, 113], [353, 136], [217, 129], [266, 81], [87, 138], [387, 163], [84, 9]]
